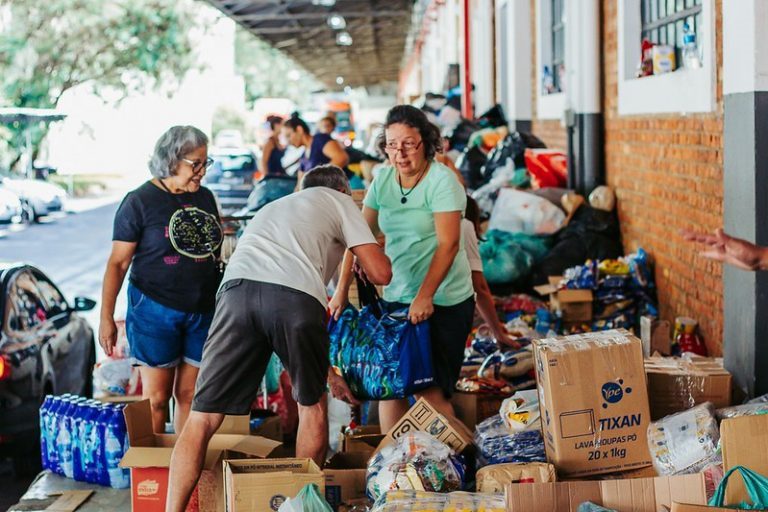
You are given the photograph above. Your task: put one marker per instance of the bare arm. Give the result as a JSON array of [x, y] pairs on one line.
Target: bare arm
[[376, 265], [448, 230], [117, 267], [336, 153], [734, 251], [268, 147], [341, 295], [446, 161], [487, 309]]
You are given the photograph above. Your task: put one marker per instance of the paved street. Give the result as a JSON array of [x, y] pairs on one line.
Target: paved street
[[72, 250]]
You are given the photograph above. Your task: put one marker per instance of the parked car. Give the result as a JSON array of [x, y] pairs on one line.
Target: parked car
[[46, 347], [10, 207], [41, 197], [231, 176]]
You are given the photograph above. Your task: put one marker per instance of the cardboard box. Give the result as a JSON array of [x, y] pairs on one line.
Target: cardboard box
[[593, 401], [494, 478], [473, 408], [656, 336], [149, 458], [685, 507], [422, 416], [264, 485], [576, 305], [345, 478], [676, 384], [271, 426], [745, 443], [365, 439], [639, 495]]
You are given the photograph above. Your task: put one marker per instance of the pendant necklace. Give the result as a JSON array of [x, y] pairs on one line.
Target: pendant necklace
[[405, 195]]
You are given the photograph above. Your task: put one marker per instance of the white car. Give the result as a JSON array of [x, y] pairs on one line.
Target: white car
[[41, 197], [10, 206]]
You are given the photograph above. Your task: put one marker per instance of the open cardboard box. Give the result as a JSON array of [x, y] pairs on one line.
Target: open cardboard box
[[576, 305], [636, 495], [345, 478], [149, 458], [365, 439]]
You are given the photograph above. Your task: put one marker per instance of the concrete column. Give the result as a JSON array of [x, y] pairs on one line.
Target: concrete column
[[513, 61], [745, 183], [584, 113]]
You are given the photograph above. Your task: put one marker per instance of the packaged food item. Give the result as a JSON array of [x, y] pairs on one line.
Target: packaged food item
[[663, 59], [416, 501], [748, 409], [508, 364], [685, 442], [521, 411], [492, 479], [497, 444], [416, 461]]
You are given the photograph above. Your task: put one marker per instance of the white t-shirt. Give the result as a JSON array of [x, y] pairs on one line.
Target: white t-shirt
[[298, 241], [471, 245]]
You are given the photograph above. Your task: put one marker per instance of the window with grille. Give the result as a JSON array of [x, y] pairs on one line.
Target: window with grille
[[557, 59], [663, 21]]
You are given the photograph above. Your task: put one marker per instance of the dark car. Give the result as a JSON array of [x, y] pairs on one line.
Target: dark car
[[231, 176], [45, 347]]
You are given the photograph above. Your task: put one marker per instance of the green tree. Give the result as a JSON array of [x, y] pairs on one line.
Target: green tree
[[269, 73], [121, 46]]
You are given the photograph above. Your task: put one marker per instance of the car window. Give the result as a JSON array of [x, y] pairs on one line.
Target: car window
[[52, 300], [235, 162], [25, 309]]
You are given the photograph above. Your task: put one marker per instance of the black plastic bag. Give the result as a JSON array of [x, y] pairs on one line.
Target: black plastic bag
[[470, 164]]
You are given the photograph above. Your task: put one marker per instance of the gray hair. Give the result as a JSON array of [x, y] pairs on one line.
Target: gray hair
[[171, 148], [326, 176]]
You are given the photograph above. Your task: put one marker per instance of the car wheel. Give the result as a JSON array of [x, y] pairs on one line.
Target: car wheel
[[27, 213], [88, 385]]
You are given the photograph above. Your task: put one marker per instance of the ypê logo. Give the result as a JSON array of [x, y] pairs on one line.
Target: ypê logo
[[613, 392]]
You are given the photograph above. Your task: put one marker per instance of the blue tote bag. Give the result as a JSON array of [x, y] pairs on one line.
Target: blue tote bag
[[381, 356]]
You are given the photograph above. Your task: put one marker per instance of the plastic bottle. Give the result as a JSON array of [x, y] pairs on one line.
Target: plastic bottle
[[54, 459], [102, 426], [50, 440], [547, 81], [77, 440], [115, 444], [43, 420], [91, 443], [691, 59], [65, 435]]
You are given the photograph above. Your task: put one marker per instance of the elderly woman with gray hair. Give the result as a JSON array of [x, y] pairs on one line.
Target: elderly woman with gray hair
[[168, 232]]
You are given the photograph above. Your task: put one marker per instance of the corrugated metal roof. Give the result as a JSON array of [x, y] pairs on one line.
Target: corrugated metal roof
[[300, 28]]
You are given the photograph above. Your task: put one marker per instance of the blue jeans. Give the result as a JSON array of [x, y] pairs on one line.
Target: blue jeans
[[163, 337]]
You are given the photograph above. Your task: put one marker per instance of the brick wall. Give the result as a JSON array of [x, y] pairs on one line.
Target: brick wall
[[550, 131], [668, 175]]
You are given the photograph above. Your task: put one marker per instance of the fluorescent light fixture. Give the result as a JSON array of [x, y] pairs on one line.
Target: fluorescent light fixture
[[344, 38], [339, 80], [337, 22], [324, 3]]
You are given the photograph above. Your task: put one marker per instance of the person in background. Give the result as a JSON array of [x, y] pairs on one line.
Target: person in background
[[443, 158], [326, 125], [319, 149], [417, 205], [733, 251], [273, 299], [470, 230], [273, 151], [168, 232]]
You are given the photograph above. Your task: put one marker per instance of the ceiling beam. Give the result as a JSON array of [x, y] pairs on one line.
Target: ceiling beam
[[320, 15]]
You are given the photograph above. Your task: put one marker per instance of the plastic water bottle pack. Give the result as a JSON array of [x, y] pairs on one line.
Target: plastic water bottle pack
[[84, 440]]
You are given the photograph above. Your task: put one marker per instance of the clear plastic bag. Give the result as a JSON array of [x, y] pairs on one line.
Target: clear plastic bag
[[522, 212], [416, 501], [499, 445], [417, 461], [685, 442]]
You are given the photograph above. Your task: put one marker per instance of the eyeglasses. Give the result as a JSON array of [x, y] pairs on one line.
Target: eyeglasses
[[406, 147], [197, 167]]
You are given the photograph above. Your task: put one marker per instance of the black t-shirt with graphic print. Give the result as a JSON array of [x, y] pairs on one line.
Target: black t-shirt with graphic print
[[174, 279]]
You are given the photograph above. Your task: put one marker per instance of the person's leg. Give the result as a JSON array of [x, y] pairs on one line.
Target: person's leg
[[436, 397], [312, 437], [157, 385], [188, 457], [183, 392], [390, 412]]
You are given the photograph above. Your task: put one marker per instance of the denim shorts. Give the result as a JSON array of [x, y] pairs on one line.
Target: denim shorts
[[163, 337]]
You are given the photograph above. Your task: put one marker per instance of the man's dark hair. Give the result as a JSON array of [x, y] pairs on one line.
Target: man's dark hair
[[472, 214], [326, 176], [331, 120], [415, 118], [296, 122]]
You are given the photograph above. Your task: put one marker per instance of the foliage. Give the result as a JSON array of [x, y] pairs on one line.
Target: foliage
[[269, 73], [226, 118], [115, 46]]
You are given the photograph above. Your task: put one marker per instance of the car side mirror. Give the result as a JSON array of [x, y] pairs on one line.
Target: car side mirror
[[84, 304]]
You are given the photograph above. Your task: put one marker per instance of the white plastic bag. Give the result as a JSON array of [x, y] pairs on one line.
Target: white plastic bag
[[521, 212], [521, 411]]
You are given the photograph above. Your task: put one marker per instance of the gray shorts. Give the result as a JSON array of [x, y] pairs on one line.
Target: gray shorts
[[252, 320]]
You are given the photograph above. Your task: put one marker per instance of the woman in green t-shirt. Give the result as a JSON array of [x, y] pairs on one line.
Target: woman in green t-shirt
[[416, 204]]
